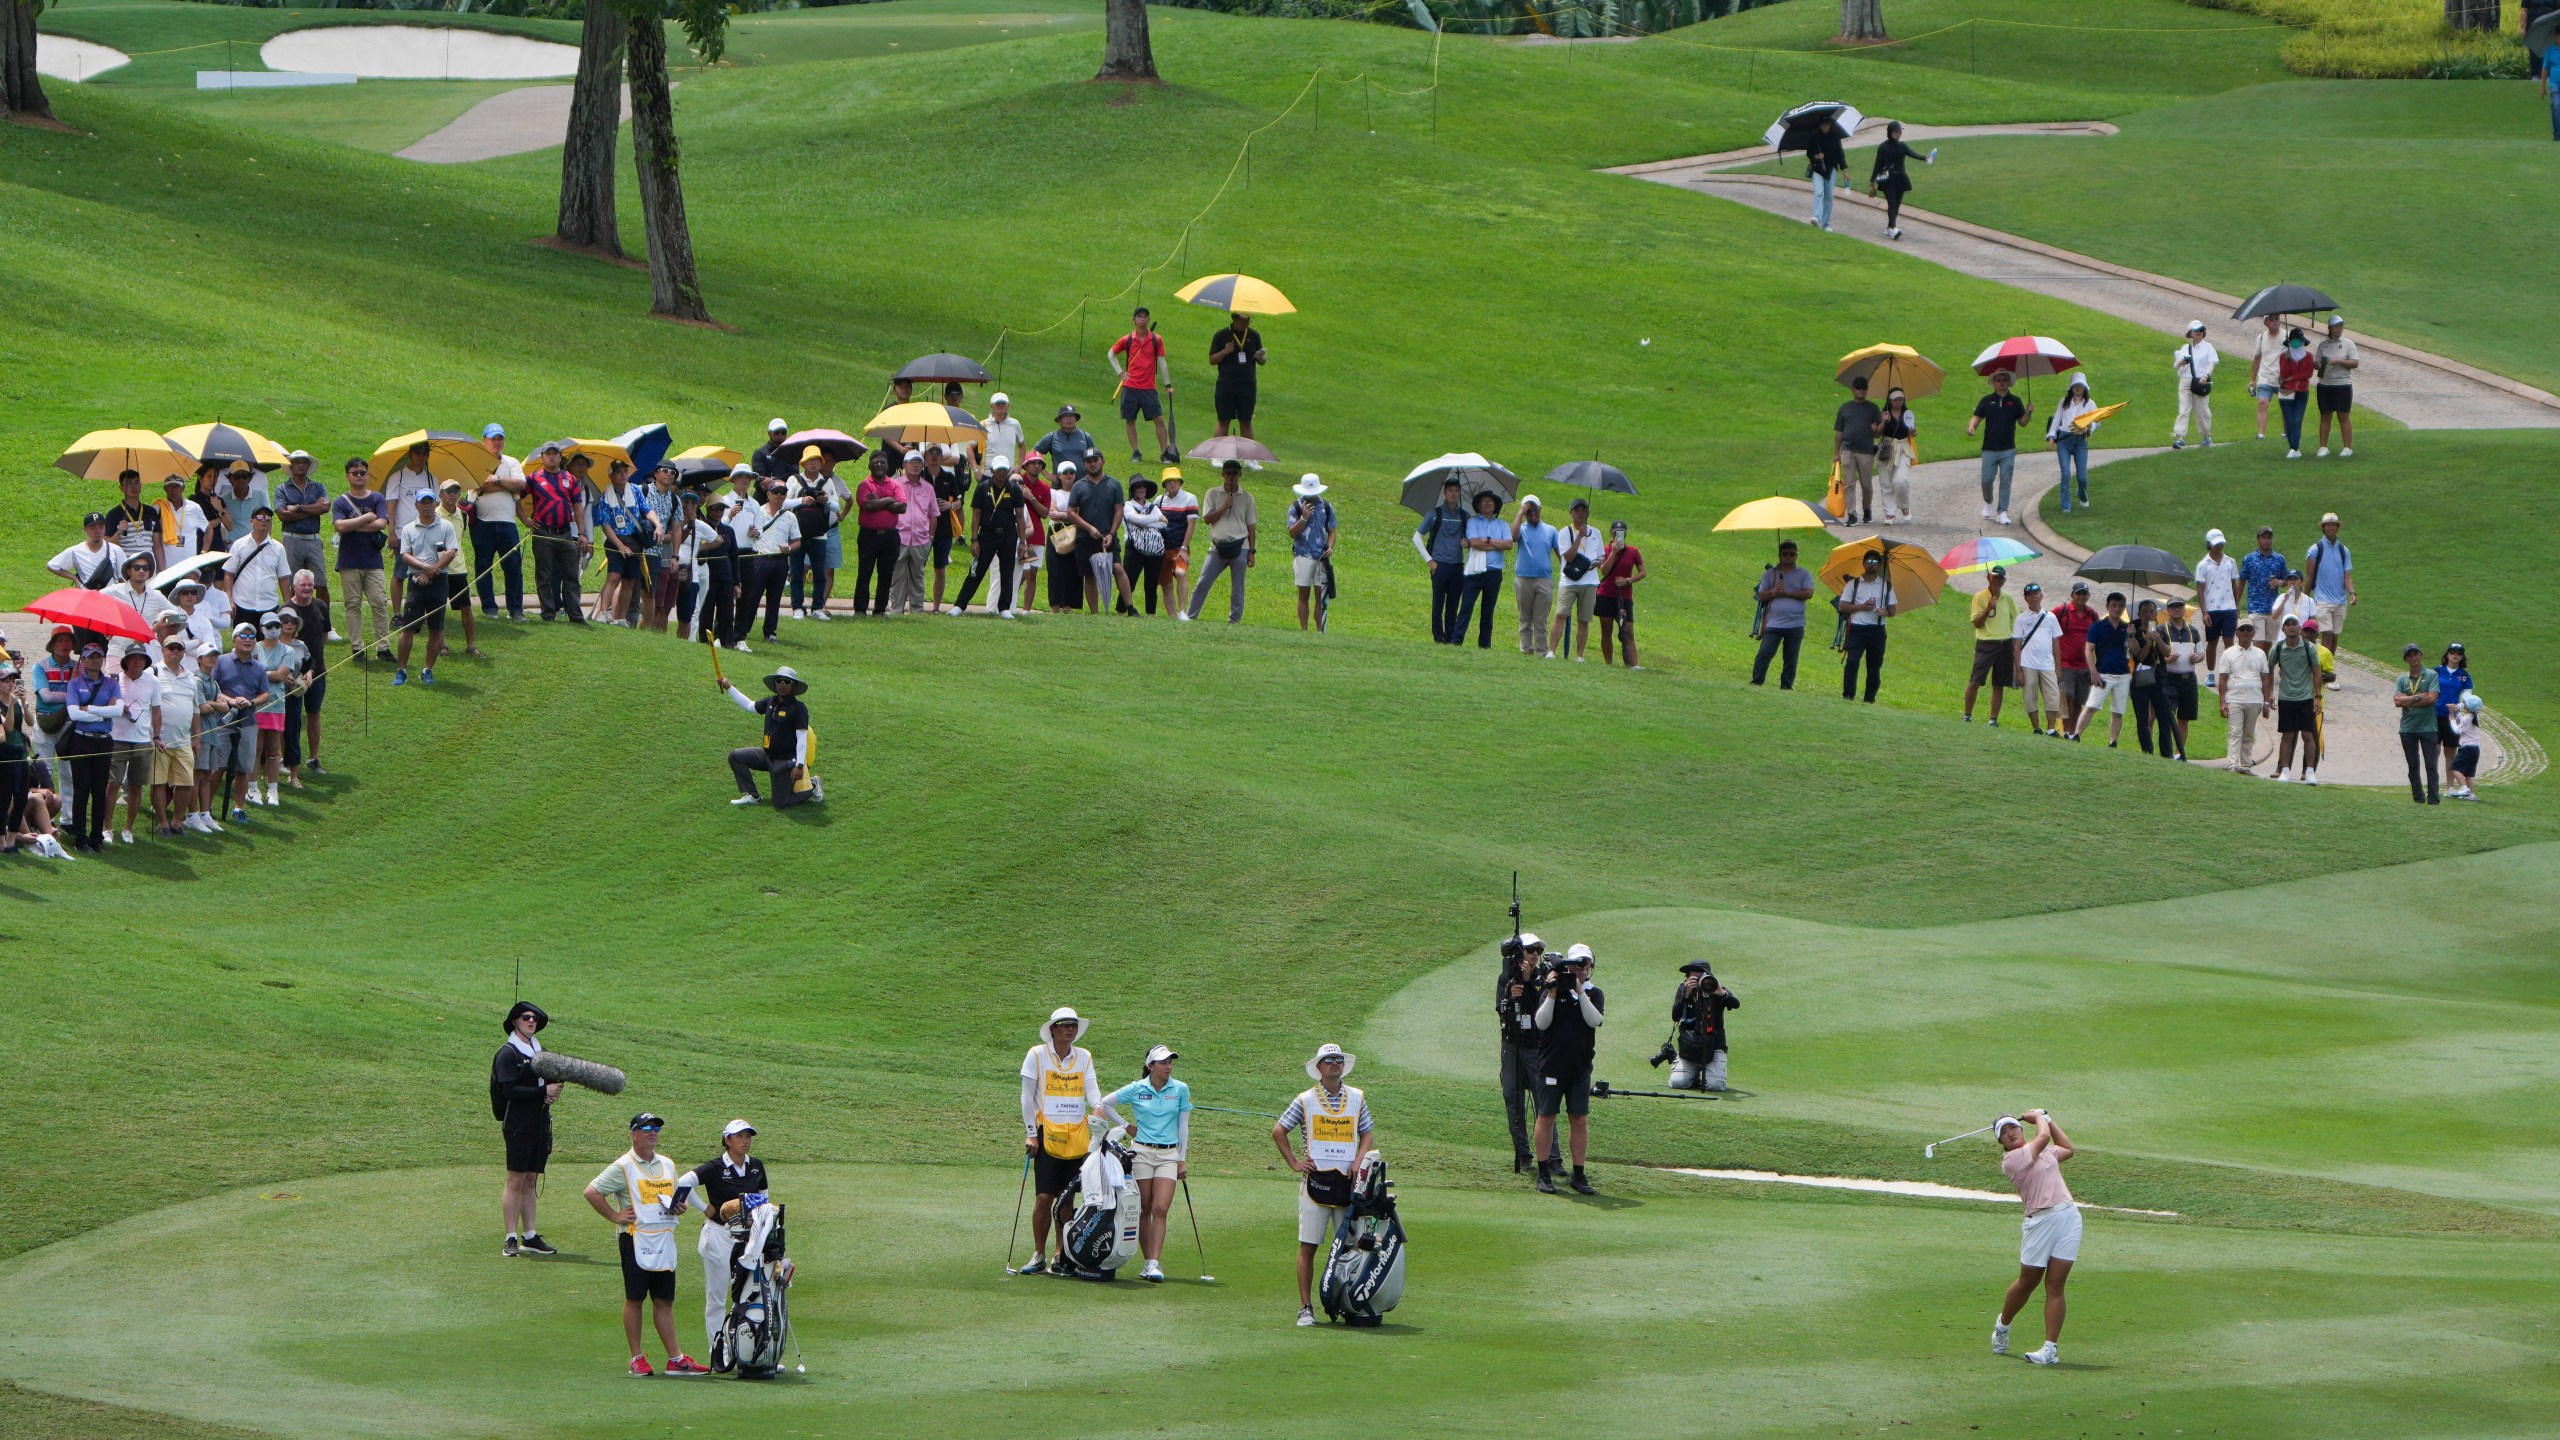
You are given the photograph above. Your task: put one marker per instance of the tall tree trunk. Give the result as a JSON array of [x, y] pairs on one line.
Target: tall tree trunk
[[595, 114], [674, 289], [1126, 55], [21, 89], [2471, 14], [1862, 20]]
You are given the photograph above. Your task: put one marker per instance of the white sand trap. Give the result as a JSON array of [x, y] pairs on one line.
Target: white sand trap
[[418, 52], [59, 57], [1929, 1188]]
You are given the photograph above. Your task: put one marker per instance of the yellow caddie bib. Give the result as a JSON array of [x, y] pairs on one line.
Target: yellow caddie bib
[[1063, 1134]]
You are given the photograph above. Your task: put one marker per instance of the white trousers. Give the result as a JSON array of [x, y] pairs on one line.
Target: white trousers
[[2201, 407], [715, 1251]]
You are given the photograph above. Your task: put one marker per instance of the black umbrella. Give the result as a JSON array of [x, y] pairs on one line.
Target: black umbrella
[[1592, 475], [2136, 565], [1795, 129], [943, 369], [701, 470], [2283, 300]]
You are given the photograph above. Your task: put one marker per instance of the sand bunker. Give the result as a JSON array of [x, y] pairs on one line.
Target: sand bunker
[[59, 57], [418, 52]]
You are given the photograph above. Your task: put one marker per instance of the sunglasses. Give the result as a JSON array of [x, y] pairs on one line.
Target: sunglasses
[[652, 1129]]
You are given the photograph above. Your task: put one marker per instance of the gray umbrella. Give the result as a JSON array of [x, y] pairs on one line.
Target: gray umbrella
[[1474, 474], [2136, 565], [943, 368], [2283, 300], [1592, 475]]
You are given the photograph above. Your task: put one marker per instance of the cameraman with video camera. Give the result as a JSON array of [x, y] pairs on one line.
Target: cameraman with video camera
[[1516, 989], [1569, 1017], [1695, 1050]]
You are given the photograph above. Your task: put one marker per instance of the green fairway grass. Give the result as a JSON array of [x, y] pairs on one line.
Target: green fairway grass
[[2313, 1024]]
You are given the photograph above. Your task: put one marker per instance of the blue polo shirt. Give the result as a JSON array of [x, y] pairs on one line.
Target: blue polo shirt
[[1159, 1112], [1493, 527], [1537, 551], [1443, 530], [2261, 573], [2107, 644]]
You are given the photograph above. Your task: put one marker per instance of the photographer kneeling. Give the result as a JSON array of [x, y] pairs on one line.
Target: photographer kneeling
[[1696, 1048], [1569, 1019]]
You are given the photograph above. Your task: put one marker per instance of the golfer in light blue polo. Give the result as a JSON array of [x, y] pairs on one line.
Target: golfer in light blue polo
[[1160, 1108]]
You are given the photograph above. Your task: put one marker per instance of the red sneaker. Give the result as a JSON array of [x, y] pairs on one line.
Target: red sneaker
[[686, 1365], [640, 1367]]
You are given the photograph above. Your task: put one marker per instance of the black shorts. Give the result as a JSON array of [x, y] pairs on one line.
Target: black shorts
[[457, 591], [942, 550], [318, 691], [528, 1151], [1140, 405], [2293, 716], [2335, 399], [1051, 1175], [2183, 687], [423, 606], [1235, 404], [2222, 625], [1615, 607], [623, 563], [1991, 662], [639, 1284], [1568, 1091]]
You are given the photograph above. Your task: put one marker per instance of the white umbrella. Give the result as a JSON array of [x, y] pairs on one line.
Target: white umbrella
[[185, 568], [1802, 121], [1472, 471]]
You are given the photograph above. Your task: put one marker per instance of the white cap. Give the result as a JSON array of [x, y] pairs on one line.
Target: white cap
[[299, 455], [776, 423], [915, 455], [999, 398], [2004, 1122], [736, 1127], [2331, 518], [1331, 1051], [1069, 467], [1000, 462], [1163, 1052], [207, 648], [2194, 325], [1529, 938], [1577, 954], [2214, 537], [2336, 318], [1528, 500]]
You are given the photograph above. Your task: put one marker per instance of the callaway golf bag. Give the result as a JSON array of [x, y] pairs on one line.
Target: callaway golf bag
[[751, 1339], [1102, 1233], [1364, 1271]]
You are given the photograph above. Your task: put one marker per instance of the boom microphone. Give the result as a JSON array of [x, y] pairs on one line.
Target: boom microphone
[[553, 1066]]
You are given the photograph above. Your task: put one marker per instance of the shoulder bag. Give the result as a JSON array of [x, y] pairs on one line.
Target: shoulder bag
[[2196, 385]]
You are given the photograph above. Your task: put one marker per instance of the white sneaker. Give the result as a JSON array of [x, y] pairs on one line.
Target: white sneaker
[[1999, 1339], [2004, 517], [2293, 454], [819, 614], [741, 648], [2347, 452], [1306, 1316], [1986, 512], [211, 825], [1185, 617], [746, 800], [334, 637], [1153, 1271], [1007, 615], [2049, 1354], [51, 848], [189, 823], [2283, 779], [2310, 775], [799, 614], [126, 836], [2322, 453], [272, 798]]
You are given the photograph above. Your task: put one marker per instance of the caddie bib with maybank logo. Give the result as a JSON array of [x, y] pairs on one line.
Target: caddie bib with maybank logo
[[1333, 1128], [653, 1224], [1063, 1134]]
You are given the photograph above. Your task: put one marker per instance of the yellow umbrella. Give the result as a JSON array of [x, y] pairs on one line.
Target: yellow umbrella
[[920, 422], [1241, 294], [215, 440], [2082, 423], [104, 454], [598, 453], [721, 453], [1777, 512], [1913, 572], [1892, 367], [451, 455]]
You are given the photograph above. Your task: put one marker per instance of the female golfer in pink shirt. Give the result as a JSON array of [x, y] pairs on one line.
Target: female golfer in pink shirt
[[2051, 1243]]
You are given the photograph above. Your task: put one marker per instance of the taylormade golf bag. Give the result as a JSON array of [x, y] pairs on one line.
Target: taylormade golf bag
[[1364, 1271], [759, 1324], [1102, 1233]]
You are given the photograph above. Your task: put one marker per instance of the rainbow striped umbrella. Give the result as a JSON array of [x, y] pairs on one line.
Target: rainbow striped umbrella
[[1975, 556]]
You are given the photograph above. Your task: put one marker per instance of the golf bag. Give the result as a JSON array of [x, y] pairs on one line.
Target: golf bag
[[751, 1340], [1102, 1231], [1364, 1271]]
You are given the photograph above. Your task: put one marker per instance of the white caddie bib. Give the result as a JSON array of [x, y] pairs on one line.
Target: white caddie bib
[[653, 1225], [1333, 1129]]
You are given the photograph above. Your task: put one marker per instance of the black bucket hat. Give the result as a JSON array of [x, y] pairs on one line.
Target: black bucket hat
[[524, 1007]]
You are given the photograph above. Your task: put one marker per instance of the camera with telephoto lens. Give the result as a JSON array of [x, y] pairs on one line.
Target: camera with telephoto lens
[[1663, 1056]]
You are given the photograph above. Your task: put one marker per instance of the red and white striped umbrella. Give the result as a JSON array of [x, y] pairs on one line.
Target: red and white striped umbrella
[[2024, 355]]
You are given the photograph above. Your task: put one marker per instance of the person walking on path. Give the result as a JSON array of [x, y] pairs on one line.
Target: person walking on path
[[1533, 575], [1311, 531], [2294, 370], [1891, 177], [2266, 357], [1060, 1097], [1864, 604], [521, 1103], [1339, 1131], [2331, 568], [2414, 695], [2153, 712], [2244, 690], [2178, 696], [2071, 441], [1996, 417], [1579, 551], [1621, 567], [2218, 595], [1234, 531], [2337, 359], [2193, 364], [1488, 536], [2109, 652], [1827, 166], [2296, 663], [637, 1194], [2293, 602], [2261, 571], [1853, 451], [1894, 452], [1784, 589], [783, 758], [2032, 633], [1995, 650], [1236, 354], [1140, 380], [1441, 541], [1160, 1146], [2049, 1243]]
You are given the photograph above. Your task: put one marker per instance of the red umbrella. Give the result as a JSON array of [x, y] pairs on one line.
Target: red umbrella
[[2025, 355], [91, 610]]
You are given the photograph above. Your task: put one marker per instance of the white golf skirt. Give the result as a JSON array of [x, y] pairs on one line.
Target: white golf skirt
[[2049, 1236]]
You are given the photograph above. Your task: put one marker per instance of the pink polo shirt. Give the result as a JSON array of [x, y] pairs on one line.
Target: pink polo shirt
[[915, 527], [2039, 1180], [878, 490]]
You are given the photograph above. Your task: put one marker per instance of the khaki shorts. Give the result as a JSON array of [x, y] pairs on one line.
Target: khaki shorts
[[2110, 694], [1155, 1162], [1309, 571], [2333, 620], [176, 766], [1314, 1221], [2042, 688]]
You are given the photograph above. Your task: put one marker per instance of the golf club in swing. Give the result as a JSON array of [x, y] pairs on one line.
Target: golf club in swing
[[1010, 1240], [1930, 1152], [1205, 1277]]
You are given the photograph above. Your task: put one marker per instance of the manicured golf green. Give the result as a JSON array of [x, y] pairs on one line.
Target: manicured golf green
[[2313, 1024]]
